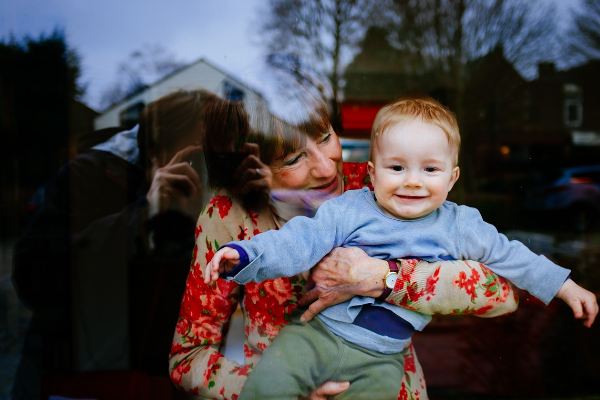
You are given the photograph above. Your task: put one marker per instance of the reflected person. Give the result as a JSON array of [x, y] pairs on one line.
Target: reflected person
[[108, 246]]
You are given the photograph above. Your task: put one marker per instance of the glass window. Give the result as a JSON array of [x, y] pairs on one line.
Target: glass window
[[573, 106], [232, 92], [139, 138]]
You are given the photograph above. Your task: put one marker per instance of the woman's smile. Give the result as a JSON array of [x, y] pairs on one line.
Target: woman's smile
[[328, 187]]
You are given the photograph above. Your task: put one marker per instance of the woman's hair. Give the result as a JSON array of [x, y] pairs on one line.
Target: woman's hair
[[230, 124], [429, 110], [278, 136]]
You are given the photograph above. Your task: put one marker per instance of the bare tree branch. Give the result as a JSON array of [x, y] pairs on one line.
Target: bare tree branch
[[448, 33], [317, 31], [584, 36], [142, 68]]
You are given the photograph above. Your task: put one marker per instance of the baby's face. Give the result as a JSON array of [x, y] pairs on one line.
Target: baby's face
[[412, 169]]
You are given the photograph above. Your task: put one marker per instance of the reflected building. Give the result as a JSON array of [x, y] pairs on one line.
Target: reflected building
[[201, 74]]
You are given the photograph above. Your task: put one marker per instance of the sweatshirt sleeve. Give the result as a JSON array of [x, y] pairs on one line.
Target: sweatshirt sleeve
[[508, 258], [294, 248]]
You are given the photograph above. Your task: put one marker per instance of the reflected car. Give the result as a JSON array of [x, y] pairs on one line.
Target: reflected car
[[575, 191]]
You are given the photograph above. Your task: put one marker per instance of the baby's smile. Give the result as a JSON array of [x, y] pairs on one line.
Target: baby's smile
[[402, 196]]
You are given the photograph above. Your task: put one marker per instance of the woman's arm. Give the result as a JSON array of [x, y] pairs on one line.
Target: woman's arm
[[442, 287], [453, 288], [196, 365]]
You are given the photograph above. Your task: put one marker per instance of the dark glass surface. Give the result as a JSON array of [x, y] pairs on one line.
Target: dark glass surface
[[91, 276]]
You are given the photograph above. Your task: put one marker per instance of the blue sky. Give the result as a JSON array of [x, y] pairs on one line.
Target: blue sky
[[106, 32]]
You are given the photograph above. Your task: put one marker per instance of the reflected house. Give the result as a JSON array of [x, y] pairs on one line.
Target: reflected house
[[579, 102], [561, 127], [201, 74], [549, 122], [496, 116]]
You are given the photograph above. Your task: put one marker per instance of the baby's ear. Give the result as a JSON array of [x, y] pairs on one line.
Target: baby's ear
[[453, 177], [371, 169]]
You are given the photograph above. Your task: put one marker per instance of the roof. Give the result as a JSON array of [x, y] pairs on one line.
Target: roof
[[179, 70]]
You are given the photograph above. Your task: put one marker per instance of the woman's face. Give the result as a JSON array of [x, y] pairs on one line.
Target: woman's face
[[317, 166]]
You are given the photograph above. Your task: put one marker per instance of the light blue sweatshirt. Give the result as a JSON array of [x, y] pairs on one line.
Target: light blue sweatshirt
[[451, 232]]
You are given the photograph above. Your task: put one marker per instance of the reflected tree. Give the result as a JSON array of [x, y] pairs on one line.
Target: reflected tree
[[39, 86], [443, 35], [39, 79], [318, 31], [143, 67], [584, 36]]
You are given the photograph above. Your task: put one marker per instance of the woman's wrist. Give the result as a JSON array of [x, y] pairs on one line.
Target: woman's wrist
[[374, 286], [389, 280]]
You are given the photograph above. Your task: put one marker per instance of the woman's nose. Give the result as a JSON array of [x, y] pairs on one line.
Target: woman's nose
[[323, 166]]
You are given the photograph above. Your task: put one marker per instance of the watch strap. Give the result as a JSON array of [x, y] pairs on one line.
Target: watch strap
[[386, 290]]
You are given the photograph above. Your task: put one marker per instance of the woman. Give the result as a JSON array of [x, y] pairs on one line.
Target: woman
[[304, 156]]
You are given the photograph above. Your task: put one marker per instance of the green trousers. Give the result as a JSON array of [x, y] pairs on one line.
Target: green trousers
[[305, 355]]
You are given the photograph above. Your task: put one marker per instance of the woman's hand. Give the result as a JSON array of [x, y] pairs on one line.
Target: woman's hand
[[341, 275], [329, 388], [252, 174]]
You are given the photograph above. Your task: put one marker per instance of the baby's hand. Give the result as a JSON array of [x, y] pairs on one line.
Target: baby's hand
[[224, 260], [583, 302]]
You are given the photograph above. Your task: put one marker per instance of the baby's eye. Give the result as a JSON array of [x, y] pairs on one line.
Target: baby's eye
[[398, 168], [430, 169]]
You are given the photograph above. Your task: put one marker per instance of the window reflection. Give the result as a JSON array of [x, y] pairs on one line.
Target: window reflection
[[92, 272]]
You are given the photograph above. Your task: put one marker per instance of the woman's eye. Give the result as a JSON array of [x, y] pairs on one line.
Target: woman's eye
[[326, 137], [293, 160], [398, 168]]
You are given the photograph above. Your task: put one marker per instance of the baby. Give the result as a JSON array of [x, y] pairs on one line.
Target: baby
[[413, 166]]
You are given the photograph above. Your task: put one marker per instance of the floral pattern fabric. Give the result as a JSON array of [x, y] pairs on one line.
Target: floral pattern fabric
[[198, 367], [474, 288]]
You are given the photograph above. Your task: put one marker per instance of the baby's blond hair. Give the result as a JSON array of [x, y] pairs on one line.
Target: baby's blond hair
[[431, 111]]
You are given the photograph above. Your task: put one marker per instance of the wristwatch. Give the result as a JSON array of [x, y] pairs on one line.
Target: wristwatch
[[389, 280]]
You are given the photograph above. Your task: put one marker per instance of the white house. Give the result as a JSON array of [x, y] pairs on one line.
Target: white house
[[201, 74]]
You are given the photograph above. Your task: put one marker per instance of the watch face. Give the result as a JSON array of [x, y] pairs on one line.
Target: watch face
[[390, 280]]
